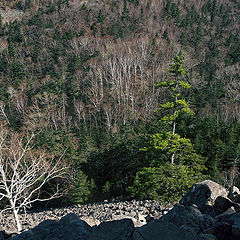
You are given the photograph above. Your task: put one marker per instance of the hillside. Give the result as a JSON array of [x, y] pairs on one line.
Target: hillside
[[81, 75]]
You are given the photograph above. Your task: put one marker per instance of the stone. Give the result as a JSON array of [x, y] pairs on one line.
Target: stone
[[188, 216], [236, 198], [225, 215], [70, 227], [141, 218], [222, 231], [93, 214], [221, 205], [39, 232], [74, 228], [233, 192], [91, 221], [157, 229], [203, 195], [235, 219], [5, 235], [111, 230], [149, 218]]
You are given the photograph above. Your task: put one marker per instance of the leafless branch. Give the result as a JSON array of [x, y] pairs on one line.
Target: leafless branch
[[23, 173]]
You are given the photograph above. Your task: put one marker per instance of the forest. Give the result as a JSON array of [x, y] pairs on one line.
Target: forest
[[132, 99]]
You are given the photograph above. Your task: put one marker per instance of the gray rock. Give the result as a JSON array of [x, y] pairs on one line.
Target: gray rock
[[189, 216], [40, 232], [233, 192], [222, 231], [157, 229], [142, 218], [225, 215], [222, 204], [113, 230], [93, 214], [235, 219], [5, 235], [203, 195], [236, 198], [70, 227], [74, 228]]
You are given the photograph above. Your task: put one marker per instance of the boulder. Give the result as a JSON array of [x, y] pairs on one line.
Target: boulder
[[222, 231], [188, 216], [5, 235], [236, 198], [142, 218], [157, 229], [224, 217], [70, 227], [40, 232], [235, 219], [203, 195], [222, 204], [233, 192], [74, 228], [113, 230]]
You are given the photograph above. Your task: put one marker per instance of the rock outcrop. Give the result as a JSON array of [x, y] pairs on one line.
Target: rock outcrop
[[158, 229], [203, 195], [205, 213], [70, 227]]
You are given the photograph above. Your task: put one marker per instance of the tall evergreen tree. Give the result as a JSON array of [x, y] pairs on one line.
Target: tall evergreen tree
[[170, 140]]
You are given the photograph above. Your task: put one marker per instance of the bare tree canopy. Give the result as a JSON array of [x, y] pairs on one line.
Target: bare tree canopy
[[24, 171]]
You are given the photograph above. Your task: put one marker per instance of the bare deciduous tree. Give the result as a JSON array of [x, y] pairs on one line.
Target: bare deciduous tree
[[3, 113], [24, 171]]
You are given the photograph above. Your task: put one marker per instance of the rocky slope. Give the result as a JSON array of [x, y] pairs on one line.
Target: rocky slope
[[139, 211], [207, 212]]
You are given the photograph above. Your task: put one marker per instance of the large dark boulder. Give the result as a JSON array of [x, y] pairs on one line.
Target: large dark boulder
[[203, 195], [5, 235], [113, 230], [222, 204], [224, 217], [157, 229], [222, 231], [189, 216], [70, 227], [234, 220]]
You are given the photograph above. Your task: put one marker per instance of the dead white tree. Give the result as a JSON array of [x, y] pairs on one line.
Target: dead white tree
[[24, 172], [3, 113]]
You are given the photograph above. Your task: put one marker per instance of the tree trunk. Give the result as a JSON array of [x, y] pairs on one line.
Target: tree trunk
[[172, 158], [173, 155], [173, 131], [19, 225]]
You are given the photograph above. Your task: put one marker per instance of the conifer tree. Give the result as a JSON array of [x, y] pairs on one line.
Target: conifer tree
[[168, 181], [171, 110]]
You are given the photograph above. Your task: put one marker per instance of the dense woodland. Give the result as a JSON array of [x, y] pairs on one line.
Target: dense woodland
[[84, 77]]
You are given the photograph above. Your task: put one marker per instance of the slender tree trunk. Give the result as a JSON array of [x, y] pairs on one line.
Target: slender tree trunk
[[19, 225], [16, 217], [173, 158], [173, 131], [173, 155]]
